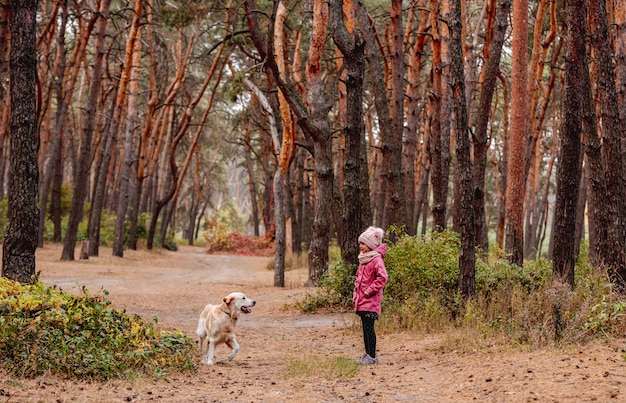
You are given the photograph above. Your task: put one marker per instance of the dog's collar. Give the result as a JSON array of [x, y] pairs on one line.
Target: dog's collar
[[230, 315]]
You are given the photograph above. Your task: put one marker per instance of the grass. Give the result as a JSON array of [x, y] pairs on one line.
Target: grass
[[325, 367]]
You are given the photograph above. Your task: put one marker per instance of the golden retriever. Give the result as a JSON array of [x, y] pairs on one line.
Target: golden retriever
[[217, 324]]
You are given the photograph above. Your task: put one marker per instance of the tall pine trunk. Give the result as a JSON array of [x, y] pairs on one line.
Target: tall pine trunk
[[568, 172], [352, 49], [490, 76], [613, 129], [519, 117], [84, 163], [133, 54], [20, 239], [463, 195]]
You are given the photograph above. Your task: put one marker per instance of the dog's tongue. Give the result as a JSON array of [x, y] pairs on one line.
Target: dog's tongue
[[245, 309]]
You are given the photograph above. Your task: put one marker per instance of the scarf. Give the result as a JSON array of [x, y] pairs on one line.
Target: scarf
[[365, 258]]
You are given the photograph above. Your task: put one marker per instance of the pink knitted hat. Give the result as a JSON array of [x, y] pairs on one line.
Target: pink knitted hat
[[372, 237]]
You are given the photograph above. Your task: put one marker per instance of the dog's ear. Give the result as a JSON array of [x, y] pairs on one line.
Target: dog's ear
[[228, 299]]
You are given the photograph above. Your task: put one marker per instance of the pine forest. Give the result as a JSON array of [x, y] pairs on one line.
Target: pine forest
[[306, 121]]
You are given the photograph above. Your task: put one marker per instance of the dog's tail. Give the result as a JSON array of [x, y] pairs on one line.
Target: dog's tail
[[201, 331]]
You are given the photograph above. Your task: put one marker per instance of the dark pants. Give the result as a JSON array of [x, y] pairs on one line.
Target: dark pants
[[369, 334]]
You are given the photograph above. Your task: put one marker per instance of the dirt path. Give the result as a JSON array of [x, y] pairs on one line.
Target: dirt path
[[174, 286]]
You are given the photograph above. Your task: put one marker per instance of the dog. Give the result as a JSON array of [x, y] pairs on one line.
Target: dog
[[217, 324]]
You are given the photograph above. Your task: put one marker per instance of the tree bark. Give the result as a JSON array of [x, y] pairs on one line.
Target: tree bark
[[53, 165], [4, 95], [619, 45], [133, 54], [490, 76], [413, 107], [352, 49], [82, 175], [568, 172], [101, 173], [252, 188], [464, 195], [376, 64], [20, 240], [612, 130], [395, 203], [517, 152], [502, 168], [438, 183]]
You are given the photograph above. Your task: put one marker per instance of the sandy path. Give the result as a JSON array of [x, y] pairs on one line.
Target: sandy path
[[174, 286]]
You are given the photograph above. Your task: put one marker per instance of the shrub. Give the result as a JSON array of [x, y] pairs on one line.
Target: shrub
[[335, 292], [168, 244], [234, 242], [422, 264], [43, 329]]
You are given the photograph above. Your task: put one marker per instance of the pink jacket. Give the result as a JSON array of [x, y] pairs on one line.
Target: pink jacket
[[369, 282]]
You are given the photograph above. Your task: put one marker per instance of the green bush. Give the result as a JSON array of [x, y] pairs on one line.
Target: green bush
[[335, 292], [168, 244], [420, 266], [43, 330]]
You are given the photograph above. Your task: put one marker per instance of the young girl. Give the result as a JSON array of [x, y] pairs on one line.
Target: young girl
[[371, 277]]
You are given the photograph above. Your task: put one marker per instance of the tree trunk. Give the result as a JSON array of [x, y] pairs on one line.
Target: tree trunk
[[251, 182], [579, 232], [612, 130], [322, 140], [82, 175], [100, 180], [135, 190], [376, 64], [131, 67], [619, 45], [4, 95], [440, 192], [283, 148], [535, 206], [192, 213], [490, 76], [20, 240], [413, 107], [543, 207], [395, 203], [568, 172], [517, 152], [502, 168], [352, 49], [147, 142], [52, 168], [464, 195]]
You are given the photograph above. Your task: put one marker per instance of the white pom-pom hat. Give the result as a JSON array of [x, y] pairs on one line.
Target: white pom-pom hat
[[372, 237]]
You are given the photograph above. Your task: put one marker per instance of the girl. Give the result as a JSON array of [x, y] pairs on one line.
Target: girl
[[371, 277]]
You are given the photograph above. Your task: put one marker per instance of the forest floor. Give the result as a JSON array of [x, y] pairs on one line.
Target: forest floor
[[175, 286]]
